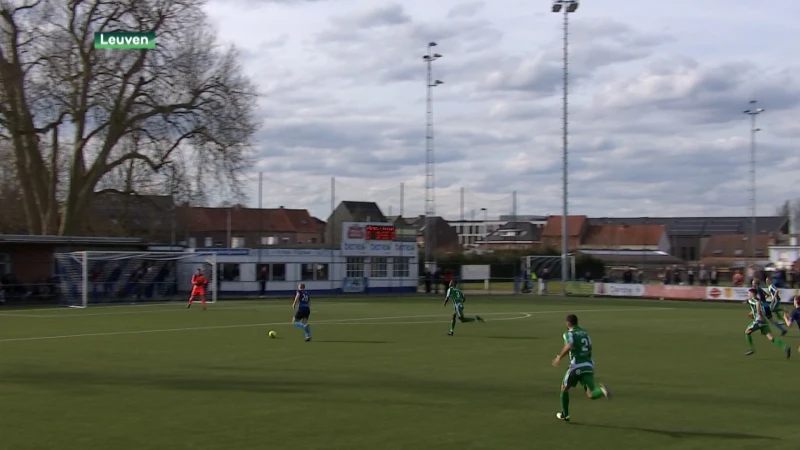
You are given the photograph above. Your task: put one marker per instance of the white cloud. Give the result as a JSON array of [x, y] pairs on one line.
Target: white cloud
[[656, 123]]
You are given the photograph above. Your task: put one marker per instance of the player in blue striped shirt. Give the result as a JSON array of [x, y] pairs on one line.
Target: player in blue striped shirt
[[794, 316]]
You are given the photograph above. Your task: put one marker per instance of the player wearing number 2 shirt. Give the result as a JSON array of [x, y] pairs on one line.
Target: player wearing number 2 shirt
[[578, 345]]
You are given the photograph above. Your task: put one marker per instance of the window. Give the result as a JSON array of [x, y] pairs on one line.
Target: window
[[208, 242], [307, 272], [192, 242], [313, 240], [228, 272], [279, 272], [400, 267], [285, 240], [5, 264], [355, 267], [692, 254], [237, 242], [268, 240], [322, 271], [379, 266]]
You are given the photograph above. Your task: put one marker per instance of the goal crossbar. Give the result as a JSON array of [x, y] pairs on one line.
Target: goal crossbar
[[99, 277]]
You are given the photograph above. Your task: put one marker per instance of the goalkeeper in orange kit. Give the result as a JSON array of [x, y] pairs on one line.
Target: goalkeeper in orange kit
[[199, 282]]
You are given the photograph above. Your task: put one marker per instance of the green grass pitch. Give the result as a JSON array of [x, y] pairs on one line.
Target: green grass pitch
[[382, 374]]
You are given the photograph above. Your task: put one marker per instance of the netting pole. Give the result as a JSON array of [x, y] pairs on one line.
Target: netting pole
[[85, 278], [214, 275]]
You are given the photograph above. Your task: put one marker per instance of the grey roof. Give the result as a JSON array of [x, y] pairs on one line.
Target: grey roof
[[632, 257], [523, 232], [35, 239], [364, 211], [701, 226], [523, 218]]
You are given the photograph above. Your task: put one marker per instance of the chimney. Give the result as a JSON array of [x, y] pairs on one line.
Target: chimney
[[281, 207]]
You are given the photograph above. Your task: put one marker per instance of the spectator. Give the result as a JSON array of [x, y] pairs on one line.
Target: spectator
[[627, 276], [428, 278], [543, 280], [667, 275], [437, 279], [738, 279], [676, 275], [262, 280], [714, 276], [690, 276], [641, 277], [750, 274], [702, 275]]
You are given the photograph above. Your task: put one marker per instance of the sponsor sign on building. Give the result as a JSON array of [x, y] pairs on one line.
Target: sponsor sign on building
[[379, 241]]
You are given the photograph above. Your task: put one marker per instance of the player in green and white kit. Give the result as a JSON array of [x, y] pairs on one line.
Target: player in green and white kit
[[455, 295], [581, 366], [774, 297], [760, 323]]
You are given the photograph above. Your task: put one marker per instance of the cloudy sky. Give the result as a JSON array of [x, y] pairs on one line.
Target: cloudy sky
[[658, 90]]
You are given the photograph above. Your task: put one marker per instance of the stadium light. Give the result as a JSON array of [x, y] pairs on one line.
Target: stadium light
[[566, 7], [430, 180], [753, 112]]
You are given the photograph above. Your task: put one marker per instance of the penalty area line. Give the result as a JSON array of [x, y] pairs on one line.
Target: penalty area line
[[350, 321]]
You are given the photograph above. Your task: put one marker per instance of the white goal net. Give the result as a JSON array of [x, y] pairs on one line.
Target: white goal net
[[87, 278]]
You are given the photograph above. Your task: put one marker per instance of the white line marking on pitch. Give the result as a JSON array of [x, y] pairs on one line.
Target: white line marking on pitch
[[351, 321], [77, 313]]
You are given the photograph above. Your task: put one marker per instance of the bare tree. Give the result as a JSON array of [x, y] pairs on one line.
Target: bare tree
[[83, 121]]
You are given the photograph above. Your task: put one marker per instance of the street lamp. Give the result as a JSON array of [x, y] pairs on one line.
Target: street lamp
[[485, 227], [430, 180], [753, 112], [567, 7]]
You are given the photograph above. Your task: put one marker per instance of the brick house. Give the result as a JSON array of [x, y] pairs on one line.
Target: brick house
[[626, 237], [236, 227], [551, 233], [726, 250]]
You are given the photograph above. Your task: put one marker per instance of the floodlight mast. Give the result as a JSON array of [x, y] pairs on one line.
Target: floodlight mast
[[753, 112], [566, 7], [430, 178]]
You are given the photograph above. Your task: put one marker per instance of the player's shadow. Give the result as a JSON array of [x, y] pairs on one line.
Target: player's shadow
[[331, 341], [677, 434]]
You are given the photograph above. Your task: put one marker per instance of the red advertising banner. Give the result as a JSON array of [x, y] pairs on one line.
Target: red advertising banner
[[675, 291]]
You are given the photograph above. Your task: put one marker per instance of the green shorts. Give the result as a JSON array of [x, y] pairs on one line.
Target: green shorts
[[583, 375], [758, 326]]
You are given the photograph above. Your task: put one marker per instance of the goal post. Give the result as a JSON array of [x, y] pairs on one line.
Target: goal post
[[538, 263], [98, 277]]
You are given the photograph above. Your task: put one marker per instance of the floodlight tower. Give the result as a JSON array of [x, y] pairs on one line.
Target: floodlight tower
[[566, 7], [430, 179], [753, 112]]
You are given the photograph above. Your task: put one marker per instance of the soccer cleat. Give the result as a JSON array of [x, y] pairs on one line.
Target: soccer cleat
[[308, 339], [783, 333], [749, 352], [606, 391], [479, 319], [188, 306], [561, 416], [788, 351], [449, 333]]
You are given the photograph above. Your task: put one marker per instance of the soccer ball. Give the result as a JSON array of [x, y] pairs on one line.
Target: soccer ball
[[272, 335]]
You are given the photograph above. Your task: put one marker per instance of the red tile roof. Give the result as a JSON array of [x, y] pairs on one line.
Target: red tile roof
[[617, 235], [553, 226], [250, 219]]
